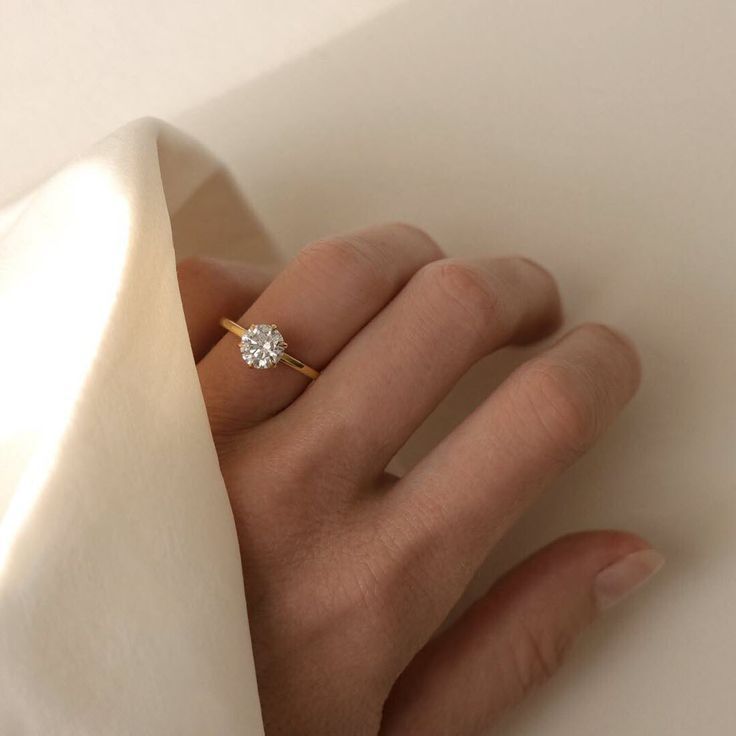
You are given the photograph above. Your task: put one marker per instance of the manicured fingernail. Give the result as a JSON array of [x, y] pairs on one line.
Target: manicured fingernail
[[619, 580]]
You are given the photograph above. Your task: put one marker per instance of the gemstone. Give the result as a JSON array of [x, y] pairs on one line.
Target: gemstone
[[261, 346]]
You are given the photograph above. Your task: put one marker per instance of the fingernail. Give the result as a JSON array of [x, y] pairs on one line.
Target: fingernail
[[619, 580]]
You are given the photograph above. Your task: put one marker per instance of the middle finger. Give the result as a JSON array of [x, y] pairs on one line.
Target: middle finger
[[391, 376]]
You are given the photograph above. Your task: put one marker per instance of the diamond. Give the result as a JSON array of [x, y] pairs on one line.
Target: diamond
[[262, 346]]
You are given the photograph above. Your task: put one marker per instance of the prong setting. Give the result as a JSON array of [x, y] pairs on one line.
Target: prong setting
[[262, 346]]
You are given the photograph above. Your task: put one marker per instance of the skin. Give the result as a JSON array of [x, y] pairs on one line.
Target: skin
[[349, 571]]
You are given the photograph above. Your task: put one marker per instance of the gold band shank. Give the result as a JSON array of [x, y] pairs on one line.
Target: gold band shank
[[234, 327], [297, 365]]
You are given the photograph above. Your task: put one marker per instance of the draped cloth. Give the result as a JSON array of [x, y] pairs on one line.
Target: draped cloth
[[122, 608]]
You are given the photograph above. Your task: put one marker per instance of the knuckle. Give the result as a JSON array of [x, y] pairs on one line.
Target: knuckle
[[463, 287], [328, 257], [563, 407]]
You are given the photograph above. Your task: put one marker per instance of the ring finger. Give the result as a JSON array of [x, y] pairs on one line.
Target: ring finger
[[319, 301]]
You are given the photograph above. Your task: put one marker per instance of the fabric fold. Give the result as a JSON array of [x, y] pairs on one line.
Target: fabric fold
[[122, 608]]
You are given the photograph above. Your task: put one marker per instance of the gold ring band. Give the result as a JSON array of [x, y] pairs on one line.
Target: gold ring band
[[263, 346]]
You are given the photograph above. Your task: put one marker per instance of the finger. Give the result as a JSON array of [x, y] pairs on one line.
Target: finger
[[452, 313], [320, 300], [479, 480], [516, 636], [211, 287]]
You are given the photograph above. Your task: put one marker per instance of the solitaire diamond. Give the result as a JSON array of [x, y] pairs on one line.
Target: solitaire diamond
[[262, 346]]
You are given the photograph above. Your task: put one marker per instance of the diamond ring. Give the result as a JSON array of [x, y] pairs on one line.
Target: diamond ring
[[263, 346]]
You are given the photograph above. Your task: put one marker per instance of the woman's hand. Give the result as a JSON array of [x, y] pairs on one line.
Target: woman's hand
[[350, 571]]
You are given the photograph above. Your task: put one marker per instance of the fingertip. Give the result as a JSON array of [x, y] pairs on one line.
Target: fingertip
[[582, 555], [549, 317], [616, 563], [626, 575], [623, 346]]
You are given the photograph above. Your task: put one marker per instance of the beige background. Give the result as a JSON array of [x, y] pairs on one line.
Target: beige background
[[596, 137]]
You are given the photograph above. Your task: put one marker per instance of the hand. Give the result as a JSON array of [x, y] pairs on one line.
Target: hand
[[349, 571]]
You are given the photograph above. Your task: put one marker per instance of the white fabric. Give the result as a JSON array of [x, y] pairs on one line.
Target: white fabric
[[597, 137], [121, 594]]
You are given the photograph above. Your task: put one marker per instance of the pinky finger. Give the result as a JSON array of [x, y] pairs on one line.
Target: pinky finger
[[516, 636]]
